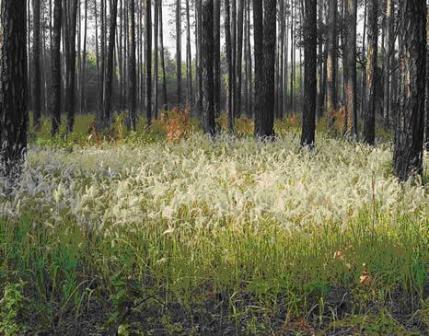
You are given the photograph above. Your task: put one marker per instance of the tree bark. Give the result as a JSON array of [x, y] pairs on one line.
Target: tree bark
[[161, 40], [229, 64], [207, 50], [331, 73], [189, 84], [107, 118], [239, 57], [321, 63], [270, 36], [148, 49], [350, 67], [259, 66], [84, 62], [310, 80], [101, 85], [13, 84], [132, 88], [55, 106], [216, 65], [388, 46], [371, 74], [179, 50], [408, 152], [37, 79], [71, 63]]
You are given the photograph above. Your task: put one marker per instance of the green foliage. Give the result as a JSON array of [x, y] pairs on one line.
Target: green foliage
[[12, 309]]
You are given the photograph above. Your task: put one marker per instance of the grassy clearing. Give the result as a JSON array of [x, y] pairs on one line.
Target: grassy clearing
[[201, 237]]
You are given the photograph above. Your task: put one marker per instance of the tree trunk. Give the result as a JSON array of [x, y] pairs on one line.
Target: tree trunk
[[310, 80], [292, 59], [286, 63], [331, 82], [55, 106], [321, 62], [71, 64], [37, 79], [179, 50], [190, 91], [249, 59], [13, 84], [207, 51], [350, 66], [280, 70], [229, 64], [161, 38], [269, 36], [216, 65], [132, 88], [101, 90], [388, 46], [259, 66], [234, 55], [84, 58], [427, 91], [148, 49], [109, 70], [156, 60], [239, 57], [363, 76], [408, 152], [371, 74]]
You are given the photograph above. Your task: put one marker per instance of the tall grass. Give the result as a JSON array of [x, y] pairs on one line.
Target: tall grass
[[198, 236]]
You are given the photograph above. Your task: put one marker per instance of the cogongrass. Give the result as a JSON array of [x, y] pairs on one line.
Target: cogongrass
[[271, 229]]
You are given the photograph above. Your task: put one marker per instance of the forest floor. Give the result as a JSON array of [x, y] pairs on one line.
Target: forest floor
[[169, 232]]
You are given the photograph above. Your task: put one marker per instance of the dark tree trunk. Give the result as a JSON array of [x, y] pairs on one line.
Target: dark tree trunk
[[132, 88], [331, 64], [101, 85], [55, 106], [216, 65], [321, 63], [148, 49], [408, 152], [239, 57], [189, 84], [371, 74], [363, 76], [427, 89], [107, 118], [292, 58], [37, 79], [84, 62], [161, 38], [269, 37], [71, 63], [234, 55], [199, 76], [350, 66], [156, 60], [249, 60], [13, 84], [179, 50], [310, 80], [207, 50], [259, 66], [388, 46], [280, 68], [229, 64]]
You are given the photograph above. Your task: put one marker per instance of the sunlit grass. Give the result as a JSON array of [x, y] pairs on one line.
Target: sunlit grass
[[128, 232]]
